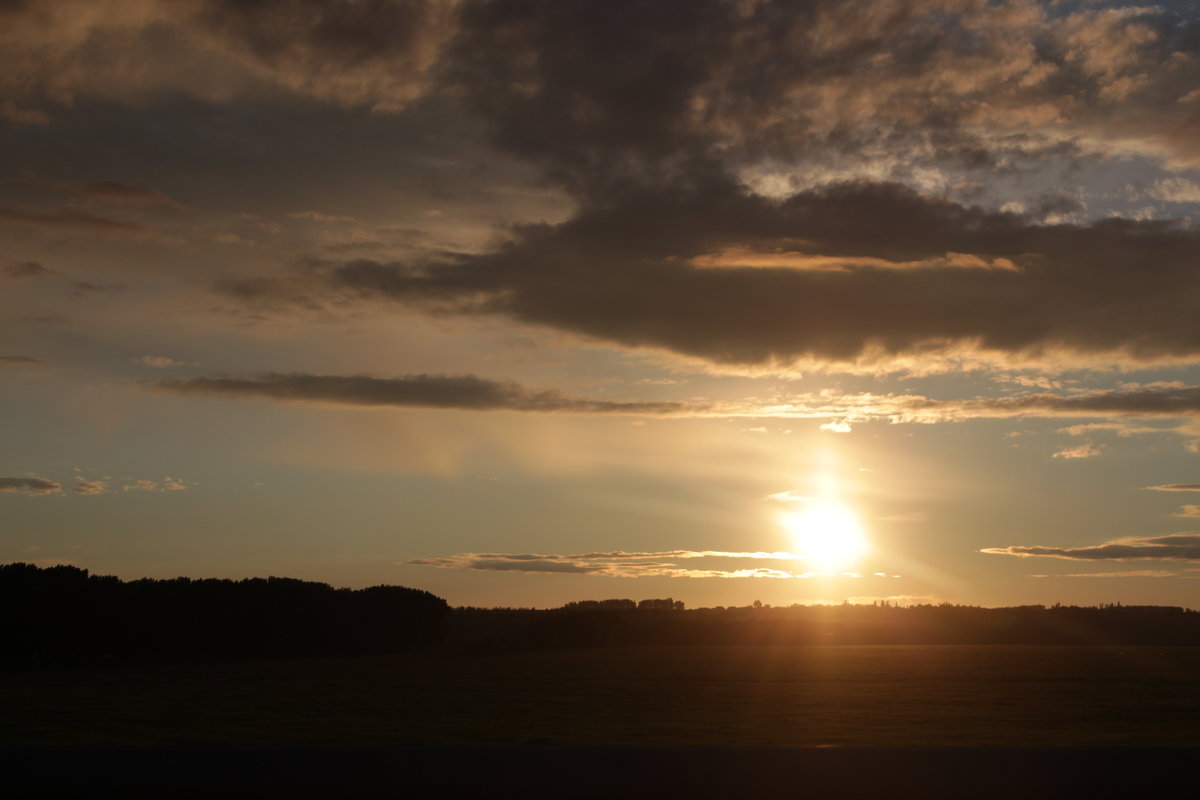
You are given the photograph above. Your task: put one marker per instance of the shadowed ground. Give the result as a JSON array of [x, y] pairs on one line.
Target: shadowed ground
[[871, 696], [603, 772]]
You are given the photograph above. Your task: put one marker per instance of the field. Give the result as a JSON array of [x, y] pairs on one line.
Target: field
[[867, 696]]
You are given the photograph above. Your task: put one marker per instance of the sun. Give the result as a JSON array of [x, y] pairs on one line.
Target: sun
[[827, 534]]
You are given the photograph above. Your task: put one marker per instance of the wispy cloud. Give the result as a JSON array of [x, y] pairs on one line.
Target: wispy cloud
[[1172, 402], [26, 269], [1175, 487], [18, 361], [1080, 451], [162, 362], [167, 484], [90, 486], [621, 564], [484, 394], [77, 221], [110, 192], [86, 486], [1133, 573], [1123, 429], [1173, 547], [430, 391]]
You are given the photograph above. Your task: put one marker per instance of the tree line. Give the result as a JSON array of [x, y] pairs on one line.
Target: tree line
[[64, 614], [626, 623]]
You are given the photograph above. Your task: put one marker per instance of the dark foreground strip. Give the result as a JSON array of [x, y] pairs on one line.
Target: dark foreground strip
[[592, 771]]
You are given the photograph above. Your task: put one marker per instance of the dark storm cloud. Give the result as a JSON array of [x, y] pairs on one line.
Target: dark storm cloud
[[596, 90], [647, 113], [627, 272], [653, 115], [590, 85], [31, 485], [1175, 547], [430, 391]]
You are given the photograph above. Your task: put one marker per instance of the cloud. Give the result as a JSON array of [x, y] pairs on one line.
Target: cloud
[[1080, 451], [623, 564], [33, 485], [965, 83], [1133, 573], [110, 192], [1174, 402], [18, 361], [430, 391], [1176, 190], [1176, 546], [376, 53], [162, 362], [1122, 429], [90, 487], [31, 269], [75, 221], [1180, 401], [167, 484], [317, 216], [913, 83], [1175, 487], [1189, 511], [620, 272], [23, 116], [119, 193], [481, 394], [26, 269], [742, 188]]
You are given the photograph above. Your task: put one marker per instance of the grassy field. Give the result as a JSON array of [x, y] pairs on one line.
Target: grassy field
[[773, 696]]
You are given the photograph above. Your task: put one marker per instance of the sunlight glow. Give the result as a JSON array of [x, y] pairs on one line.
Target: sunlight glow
[[828, 534]]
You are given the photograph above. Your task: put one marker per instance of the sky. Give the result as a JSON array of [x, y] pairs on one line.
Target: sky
[[528, 301]]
